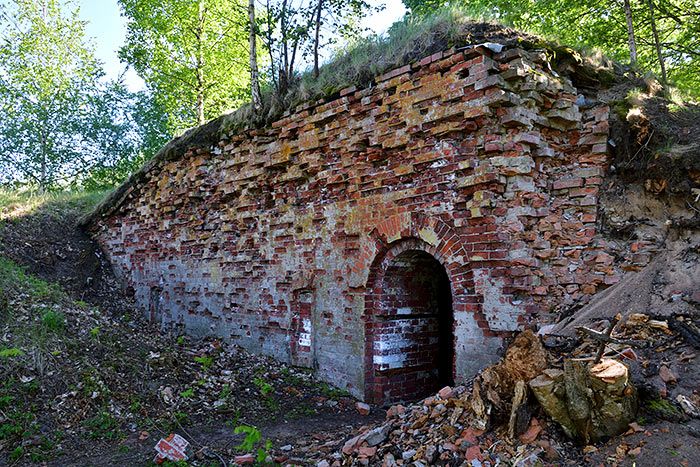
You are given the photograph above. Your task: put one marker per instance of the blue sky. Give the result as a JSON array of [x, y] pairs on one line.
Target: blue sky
[[107, 28]]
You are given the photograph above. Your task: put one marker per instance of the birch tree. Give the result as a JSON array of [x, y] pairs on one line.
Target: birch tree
[[47, 72], [193, 54]]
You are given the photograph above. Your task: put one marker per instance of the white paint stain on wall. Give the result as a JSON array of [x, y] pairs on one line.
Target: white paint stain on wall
[[305, 335], [500, 313]]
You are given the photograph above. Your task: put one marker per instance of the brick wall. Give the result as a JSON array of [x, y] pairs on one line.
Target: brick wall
[[309, 239]]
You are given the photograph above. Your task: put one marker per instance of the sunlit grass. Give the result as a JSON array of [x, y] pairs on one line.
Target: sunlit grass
[[17, 203]]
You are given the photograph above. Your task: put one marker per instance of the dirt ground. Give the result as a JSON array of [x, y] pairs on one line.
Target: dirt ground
[[116, 385]]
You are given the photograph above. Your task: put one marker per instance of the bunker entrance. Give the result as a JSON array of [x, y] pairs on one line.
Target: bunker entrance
[[413, 329]]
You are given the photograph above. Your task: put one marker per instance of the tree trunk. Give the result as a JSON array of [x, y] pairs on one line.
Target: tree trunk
[[200, 65], [284, 65], [42, 179], [254, 81], [589, 403], [630, 33], [318, 36], [656, 40]]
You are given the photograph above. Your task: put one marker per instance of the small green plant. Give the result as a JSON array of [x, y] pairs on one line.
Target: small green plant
[[12, 352], [94, 332], [264, 387], [52, 321], [102, 425], [225, 392], [17, 453], [181, 340], [188, 393], [235, 417], [5, 401], [271, 404], [205, 361], [252, 438]]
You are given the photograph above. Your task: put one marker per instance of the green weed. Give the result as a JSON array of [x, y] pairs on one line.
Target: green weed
[[53, 321], [252, 438], [205, 361], [264, 386], [102, 425], [13, 352]]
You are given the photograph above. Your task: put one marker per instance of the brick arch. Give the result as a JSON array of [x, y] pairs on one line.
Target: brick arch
[[440, 238], [388, 240]]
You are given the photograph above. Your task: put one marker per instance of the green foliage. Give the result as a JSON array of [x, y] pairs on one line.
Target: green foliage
[[264, 386], [289, 30], [605, 28], [53, 320], [14, 279], [48, 70], [60, 125], [205, 361], [192, 54], [181, 418], [422, 7], [13, 352], [102, 425], [187, 393], [124, 130], [252, 436], [17, 453]]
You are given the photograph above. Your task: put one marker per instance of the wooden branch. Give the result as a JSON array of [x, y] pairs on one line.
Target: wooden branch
[[603, 337], [601, 347]]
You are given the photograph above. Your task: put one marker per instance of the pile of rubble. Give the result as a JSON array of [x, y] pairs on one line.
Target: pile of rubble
[[566, 402]]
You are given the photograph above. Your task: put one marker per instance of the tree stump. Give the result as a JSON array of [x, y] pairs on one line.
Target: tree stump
[[589, 403]]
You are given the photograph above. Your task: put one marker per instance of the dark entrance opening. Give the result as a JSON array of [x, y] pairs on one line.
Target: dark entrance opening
[[413, 328]]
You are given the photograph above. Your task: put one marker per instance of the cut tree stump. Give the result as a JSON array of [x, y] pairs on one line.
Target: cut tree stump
[[590, 403]]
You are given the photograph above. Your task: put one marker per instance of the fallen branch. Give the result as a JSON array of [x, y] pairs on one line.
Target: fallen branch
[[601, 348], [603, 337], [690, 335]]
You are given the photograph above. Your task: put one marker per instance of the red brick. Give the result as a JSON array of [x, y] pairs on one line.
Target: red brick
[[253, 237]]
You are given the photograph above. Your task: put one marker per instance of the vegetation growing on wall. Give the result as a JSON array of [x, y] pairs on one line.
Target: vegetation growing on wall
[[665, 34]]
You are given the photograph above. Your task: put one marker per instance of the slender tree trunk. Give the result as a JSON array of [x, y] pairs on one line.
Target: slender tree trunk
[[284, 65], [200, 66], [269, 41], [42, 179], [317, 38], [656, 40], [254, 81], [630, 33]]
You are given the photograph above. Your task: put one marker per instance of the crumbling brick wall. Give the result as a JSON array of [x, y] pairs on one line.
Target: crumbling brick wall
[[284, 239]]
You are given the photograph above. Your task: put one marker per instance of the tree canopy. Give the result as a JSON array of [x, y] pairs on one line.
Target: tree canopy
[[192, 54], [602, 25], [47, 69], [60, 123]]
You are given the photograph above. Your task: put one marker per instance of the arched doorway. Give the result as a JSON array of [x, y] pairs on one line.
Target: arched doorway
[[412, 328]]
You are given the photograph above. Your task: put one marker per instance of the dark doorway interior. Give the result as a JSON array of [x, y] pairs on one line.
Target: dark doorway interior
[[413, 330]]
